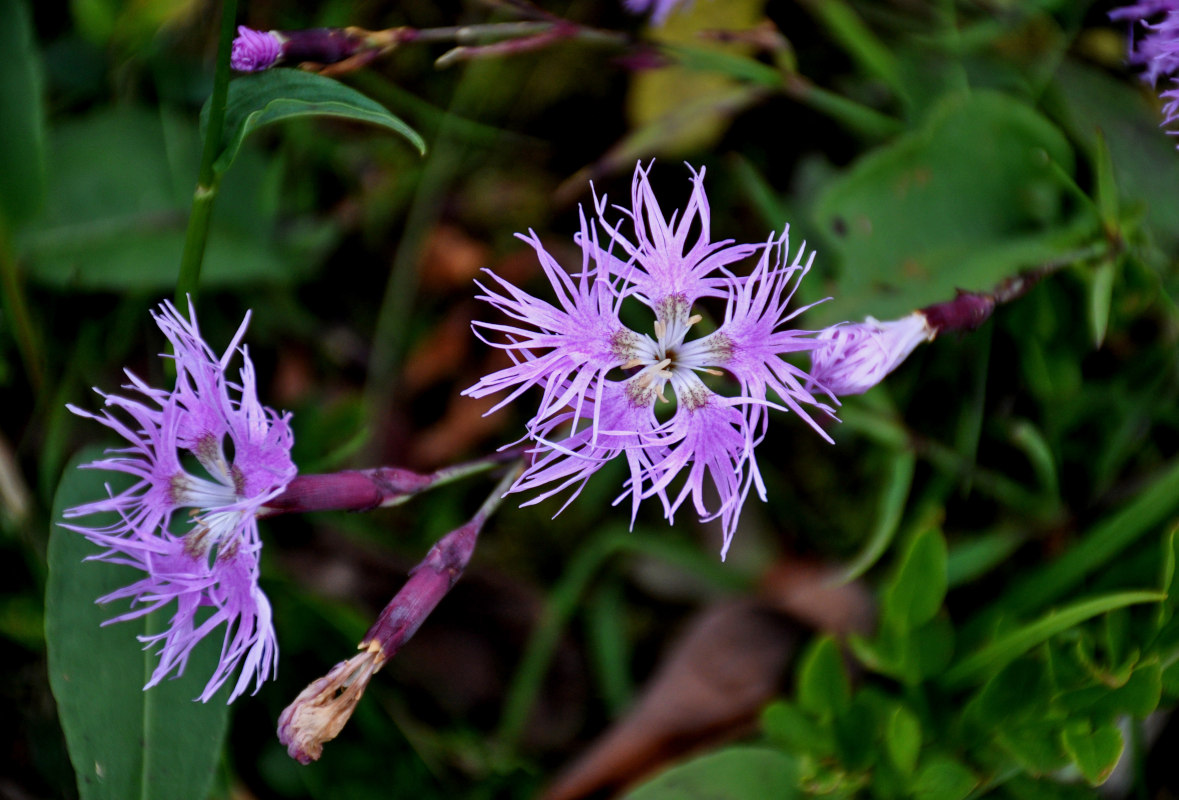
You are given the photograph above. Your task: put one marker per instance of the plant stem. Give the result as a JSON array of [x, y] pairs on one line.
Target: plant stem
[[208, 180]]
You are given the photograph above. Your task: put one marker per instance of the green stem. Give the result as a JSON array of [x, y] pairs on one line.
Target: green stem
[[197, 234]]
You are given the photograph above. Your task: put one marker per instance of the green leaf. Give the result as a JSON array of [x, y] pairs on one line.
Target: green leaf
[[897, 484], [785, 725], [281, 94], [124, 742], [22, 145], [943, 778], [903, 740], [1149, 508], [1020, 691], [908, 236], [915, 592], [974, 557], [998, 653], [1141, 159], [1107, 187], [1035, 745], [823, 687], [1100, 295], [116, 221], [1094, 751], [738, 773]]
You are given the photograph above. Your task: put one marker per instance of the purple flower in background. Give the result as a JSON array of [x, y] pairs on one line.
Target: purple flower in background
[[254, 51], [655, 399], [209, 560], [854, 357], [1158, 49], [660, 9]]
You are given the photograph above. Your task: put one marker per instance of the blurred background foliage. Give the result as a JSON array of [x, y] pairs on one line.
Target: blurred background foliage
[[963, 597]]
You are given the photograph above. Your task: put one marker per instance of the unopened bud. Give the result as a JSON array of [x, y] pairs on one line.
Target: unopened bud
[[853, 357]]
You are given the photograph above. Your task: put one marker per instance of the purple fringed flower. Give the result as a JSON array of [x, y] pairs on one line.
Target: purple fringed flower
[[210, 559], [254, 51], [854, 357], [660, 9], [609, 391], [1158, 49]]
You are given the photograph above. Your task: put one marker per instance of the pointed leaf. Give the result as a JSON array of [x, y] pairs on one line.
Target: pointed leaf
[[995, 655], [280, 94], [124, 742]]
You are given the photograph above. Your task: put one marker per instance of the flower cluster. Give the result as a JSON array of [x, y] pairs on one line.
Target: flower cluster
[[1157, 50], [207, 563], [656, 399]]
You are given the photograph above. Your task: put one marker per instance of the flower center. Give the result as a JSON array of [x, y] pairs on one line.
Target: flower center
[[668, 358]]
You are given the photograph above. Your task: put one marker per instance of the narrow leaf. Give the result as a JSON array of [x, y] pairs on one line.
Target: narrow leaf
[[1149, 508], [1000, 652], [282, 94], [888, 518], [124, 742]]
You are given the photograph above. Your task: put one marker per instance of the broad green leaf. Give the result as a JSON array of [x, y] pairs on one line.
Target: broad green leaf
[[124, 742], [738, 773], [1094, 751], [998, 653], [907, 235], [22, 144], [915, 592], [903, 740], [823, 687], [282, 94], [120, 190], [943, 778]]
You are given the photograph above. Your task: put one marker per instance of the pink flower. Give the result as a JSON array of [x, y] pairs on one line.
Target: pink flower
[[609, 391], [209, 558]]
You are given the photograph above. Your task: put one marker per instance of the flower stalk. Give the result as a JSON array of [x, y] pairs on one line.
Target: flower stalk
[[321, 710], [196, 235], [366, 489]]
